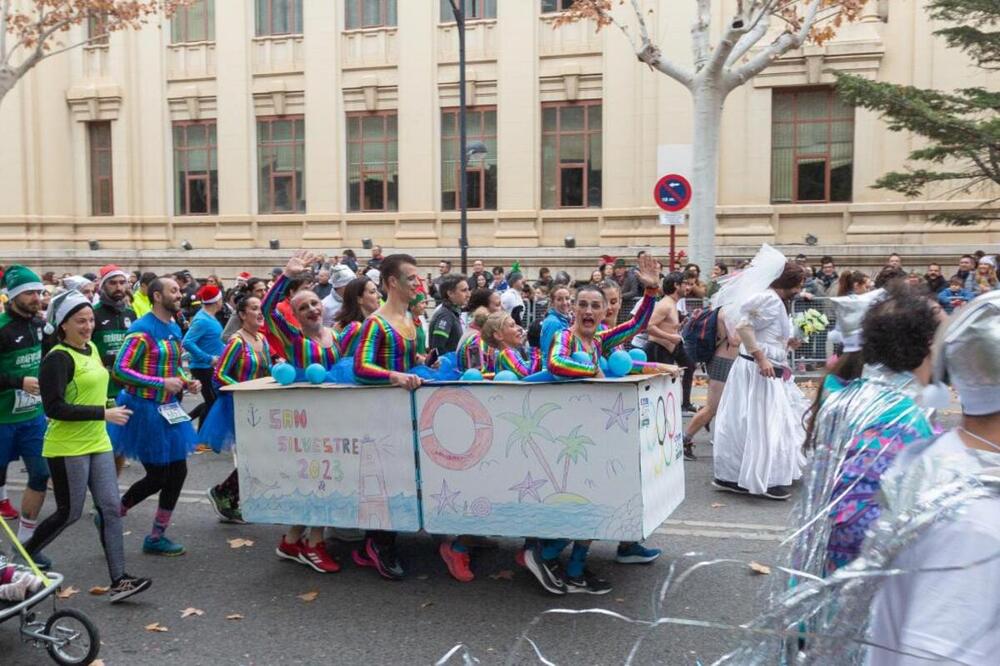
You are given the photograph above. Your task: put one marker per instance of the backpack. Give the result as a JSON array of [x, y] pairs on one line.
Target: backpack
[[700, 333]]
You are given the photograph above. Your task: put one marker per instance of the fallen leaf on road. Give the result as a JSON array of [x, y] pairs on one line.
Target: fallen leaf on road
[[239, 543], [717, 505], [188, 612], [67, 592], [756, 567], [98, 590], [201, 448], [97, 662], [427, 604], [234, 616], [620, 600], [127, 532], [309, 596], [505, 574], [157, 627]]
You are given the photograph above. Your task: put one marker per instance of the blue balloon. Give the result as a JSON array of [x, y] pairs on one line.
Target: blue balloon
[[505, 376], [446, 362], [541, 376], [620, 364], [472, 375], [638, 355], [283, 373], [582, 357], [603, 364], [316, 373]]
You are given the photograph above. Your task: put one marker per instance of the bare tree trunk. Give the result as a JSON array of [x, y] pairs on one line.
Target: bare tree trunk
[[8, 78], [708, 97]]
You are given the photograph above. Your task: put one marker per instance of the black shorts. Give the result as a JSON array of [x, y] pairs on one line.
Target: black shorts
[[657, 353], [718, 368]]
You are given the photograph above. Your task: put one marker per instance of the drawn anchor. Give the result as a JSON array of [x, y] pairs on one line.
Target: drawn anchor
[[254, 417]]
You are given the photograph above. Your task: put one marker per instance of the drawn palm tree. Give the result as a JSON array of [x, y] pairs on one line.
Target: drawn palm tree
[[528, 426], [574, 447]]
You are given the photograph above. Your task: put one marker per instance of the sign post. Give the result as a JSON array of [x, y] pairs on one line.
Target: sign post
[[672, 194]]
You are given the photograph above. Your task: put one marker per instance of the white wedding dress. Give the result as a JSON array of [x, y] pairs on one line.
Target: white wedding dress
[[759, 430]]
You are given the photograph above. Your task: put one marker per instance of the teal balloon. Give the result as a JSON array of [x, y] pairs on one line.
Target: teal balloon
[[638, 355], [603, 364], [505, 376], [283, 373], [316, 373], [472, 375], [582, 357], [620, 364]]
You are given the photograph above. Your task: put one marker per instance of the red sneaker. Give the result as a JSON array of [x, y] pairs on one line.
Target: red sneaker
[[458, 563], [288, 551], [7, 510], [317, 557], [519, 558]]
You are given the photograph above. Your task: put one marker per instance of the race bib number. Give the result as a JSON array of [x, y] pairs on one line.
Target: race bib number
[[172, 413], [25, 402]]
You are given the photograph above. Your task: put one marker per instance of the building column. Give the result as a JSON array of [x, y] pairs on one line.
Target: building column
[[324, 119], [418, 107], [236, 130]]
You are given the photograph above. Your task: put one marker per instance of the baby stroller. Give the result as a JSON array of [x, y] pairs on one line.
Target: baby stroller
[[68, 635]]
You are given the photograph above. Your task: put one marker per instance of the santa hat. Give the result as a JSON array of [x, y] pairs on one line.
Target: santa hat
[[107, 272], [209, 294], [244, 276], [19, 279], [63, 306], [75, 282]]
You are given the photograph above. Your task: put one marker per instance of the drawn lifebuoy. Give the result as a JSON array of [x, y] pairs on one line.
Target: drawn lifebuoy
[[666, 425], [482, 439]]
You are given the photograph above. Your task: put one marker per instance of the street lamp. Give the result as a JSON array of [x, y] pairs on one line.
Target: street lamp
[[464, 151]]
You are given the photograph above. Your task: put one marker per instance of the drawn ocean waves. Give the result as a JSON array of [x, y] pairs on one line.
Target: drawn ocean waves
[[334, 510]]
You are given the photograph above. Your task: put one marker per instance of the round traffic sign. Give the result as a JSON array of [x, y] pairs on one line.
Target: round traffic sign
[[672, 192]]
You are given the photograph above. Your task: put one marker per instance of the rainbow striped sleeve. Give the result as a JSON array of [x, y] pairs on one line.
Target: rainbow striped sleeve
[[510, 359], [131, 360], [349, 338], [229, 368], [627, 330], [561, 361], [372, 347], [464, 352], [276, 323]]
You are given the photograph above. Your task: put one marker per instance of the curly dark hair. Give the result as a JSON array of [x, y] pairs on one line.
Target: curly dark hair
[[889, 275], [899, 331]]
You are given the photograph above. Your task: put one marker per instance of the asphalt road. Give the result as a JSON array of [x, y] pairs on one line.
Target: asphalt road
[[357, 618]]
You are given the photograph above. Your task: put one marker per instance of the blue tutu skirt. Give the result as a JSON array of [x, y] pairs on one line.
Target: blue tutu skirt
[[219, 428], [147, 437]]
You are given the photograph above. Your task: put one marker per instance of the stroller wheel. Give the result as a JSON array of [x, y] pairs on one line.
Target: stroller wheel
[[77, 639]]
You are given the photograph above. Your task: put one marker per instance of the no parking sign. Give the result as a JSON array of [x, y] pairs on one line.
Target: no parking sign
[[672, 194]]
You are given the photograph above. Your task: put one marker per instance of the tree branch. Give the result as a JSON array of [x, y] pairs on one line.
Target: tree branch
[[699, 34], [758, 29], [650, 54], [782, 44], [4, 13], [725, 46]]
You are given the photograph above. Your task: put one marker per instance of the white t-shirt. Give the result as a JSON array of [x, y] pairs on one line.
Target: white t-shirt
[[331, 308], [944, 616]]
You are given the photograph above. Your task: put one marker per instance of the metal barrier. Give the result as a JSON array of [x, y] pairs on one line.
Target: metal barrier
[[819, 347]]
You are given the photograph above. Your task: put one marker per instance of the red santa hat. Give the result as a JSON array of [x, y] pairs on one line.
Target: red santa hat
[[209, 294], [107, 272]]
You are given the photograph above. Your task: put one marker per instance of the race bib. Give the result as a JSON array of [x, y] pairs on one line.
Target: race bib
[[25, 402], [173, 413]]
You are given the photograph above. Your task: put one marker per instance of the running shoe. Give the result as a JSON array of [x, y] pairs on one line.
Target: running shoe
[[288, 551], [317, 558], [7, 510], [636, 553], [548, 572], [588, 583], [730, 486], [519, 557], [382, 558], [126, 586], [457, 562], [689, 448], [689, 409], [224, 507], [41, 561], [161, 546], [780, 493]]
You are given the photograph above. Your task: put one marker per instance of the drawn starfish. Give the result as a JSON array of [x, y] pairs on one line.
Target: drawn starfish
[[446, 498], [528, 487], [618, 414]]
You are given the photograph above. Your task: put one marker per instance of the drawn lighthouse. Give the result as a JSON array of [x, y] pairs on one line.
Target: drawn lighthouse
[[373, 505]]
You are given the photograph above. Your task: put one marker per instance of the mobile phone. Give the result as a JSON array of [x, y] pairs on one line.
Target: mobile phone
[[475, 360], [431, 358]]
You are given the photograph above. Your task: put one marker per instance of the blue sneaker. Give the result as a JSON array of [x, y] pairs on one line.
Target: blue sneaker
[[636, 553], [162, 546]]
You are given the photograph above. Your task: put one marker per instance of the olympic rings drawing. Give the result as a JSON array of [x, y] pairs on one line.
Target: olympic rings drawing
[[482, 438]]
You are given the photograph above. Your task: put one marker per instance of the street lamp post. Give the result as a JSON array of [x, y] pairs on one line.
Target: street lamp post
[[458, 9]]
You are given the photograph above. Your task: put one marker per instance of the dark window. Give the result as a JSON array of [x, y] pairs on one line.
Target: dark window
[[193, 23], [571, 155], [97, 28], [281, 157], [481, 175], [549, 6], [369, 13], [196, 169], [812, 147], [372, 162], [102, 199], [474, 9], [279, 17]]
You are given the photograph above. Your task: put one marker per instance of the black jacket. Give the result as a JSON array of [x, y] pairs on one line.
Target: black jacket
[[445, 329]]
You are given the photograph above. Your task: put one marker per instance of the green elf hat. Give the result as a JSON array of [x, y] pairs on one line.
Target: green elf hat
[[19, 279], [62, 306], [421, 296]]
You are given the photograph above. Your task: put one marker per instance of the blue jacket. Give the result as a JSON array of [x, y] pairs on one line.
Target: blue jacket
[[203, 341], [946, 296], [551, 325]]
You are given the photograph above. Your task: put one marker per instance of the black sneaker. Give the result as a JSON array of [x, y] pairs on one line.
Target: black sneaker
[[548, 572], [588, 583], [779, 493], [126, 586], [689, 409], [223, 507], [384, 559], [689, 449], [730, 486]]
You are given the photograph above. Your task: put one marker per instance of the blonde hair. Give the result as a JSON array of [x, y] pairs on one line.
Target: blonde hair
[[493, 325]]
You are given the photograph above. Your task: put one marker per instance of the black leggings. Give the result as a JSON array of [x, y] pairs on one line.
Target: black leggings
[[204, 375], [657, 353], [164, 479]]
